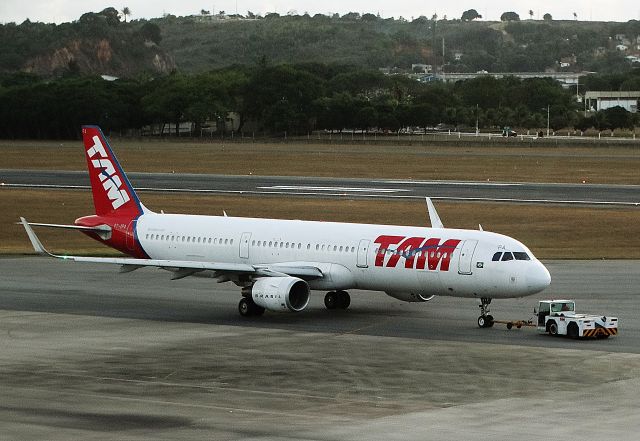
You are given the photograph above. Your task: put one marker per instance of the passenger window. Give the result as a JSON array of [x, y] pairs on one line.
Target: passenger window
[[497, 256], [519, 255], [507, 256]]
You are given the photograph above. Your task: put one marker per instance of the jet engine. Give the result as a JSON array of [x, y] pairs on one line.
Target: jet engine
[[281, 294], [409, 296]]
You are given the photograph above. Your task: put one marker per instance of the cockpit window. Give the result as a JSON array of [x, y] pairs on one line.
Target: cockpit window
[[520, 255], [507, 256], [496, 256]]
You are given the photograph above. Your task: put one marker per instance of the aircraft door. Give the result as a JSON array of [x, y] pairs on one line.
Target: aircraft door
[[466, 257], [363, 250], [244, 245]]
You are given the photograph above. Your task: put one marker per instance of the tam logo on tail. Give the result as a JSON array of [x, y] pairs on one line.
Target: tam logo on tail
[[110, 180], [111, 189]]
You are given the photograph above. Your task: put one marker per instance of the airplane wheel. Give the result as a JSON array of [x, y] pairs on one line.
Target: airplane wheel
[[244, 307], [248, 308], [331, 300], [344, 300], [482, 321], [489, 321]]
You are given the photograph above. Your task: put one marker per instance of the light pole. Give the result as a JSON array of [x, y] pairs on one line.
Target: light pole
[[477, 120], [548, 121]]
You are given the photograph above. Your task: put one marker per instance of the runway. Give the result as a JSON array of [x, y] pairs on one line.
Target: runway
[[582, 194], [89, 353]]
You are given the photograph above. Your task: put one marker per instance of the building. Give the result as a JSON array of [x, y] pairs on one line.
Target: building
[[597, 100], [566, 79]]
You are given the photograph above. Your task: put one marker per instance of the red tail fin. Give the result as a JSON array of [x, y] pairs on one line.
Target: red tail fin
[[112, 191]]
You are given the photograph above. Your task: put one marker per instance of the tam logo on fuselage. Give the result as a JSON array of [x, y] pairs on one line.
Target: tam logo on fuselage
[[107, 172], [418, 252]]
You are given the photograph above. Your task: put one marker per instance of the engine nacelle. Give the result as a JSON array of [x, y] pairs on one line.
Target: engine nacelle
[[281, 293], [409, 296]]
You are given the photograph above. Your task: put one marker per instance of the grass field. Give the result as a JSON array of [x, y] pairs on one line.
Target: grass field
[[550, 231], [613, 165]]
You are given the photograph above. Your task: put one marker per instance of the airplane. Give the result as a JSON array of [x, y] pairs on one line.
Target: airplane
[[277, 263]]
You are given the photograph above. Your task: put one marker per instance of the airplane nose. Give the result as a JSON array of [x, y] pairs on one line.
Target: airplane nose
[[538, 278]]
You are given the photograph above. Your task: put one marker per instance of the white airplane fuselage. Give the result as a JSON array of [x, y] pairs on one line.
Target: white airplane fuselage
[[432, 261]]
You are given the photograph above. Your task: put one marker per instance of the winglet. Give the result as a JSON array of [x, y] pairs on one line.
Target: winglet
[[37, 245], [433, 215]]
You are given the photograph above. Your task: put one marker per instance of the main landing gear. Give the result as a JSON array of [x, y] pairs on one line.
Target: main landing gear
[[248, 308], [337, 300], [485, 320]]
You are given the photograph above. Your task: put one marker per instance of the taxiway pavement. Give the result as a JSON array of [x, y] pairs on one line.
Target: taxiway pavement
[[87, 353]]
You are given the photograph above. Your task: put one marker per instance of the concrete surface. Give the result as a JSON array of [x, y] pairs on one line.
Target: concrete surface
[[87, 353]]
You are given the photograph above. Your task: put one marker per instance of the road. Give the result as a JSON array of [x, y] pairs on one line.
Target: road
[[88, 353], [586, 194]]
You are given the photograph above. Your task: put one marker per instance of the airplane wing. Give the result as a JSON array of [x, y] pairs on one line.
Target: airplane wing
[[182, 268]]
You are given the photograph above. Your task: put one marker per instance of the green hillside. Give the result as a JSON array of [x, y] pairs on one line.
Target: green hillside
[[102, 43]]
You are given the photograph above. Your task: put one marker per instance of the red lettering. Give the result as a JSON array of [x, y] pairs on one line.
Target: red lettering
[[442, 254], [425, 249], [418, 251], [385, 242], [404, 249]]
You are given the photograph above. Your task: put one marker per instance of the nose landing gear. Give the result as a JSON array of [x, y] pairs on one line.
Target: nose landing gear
[[485, 320]]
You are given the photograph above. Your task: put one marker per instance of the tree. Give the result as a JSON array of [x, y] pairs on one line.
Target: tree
[[618, 117], [369, 18], [151, 32], [204, 12], [547, 17], [111, 15], [530, 14], [575, 16], [509, 16], [282, 98], [126, 12], [470, 14]]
